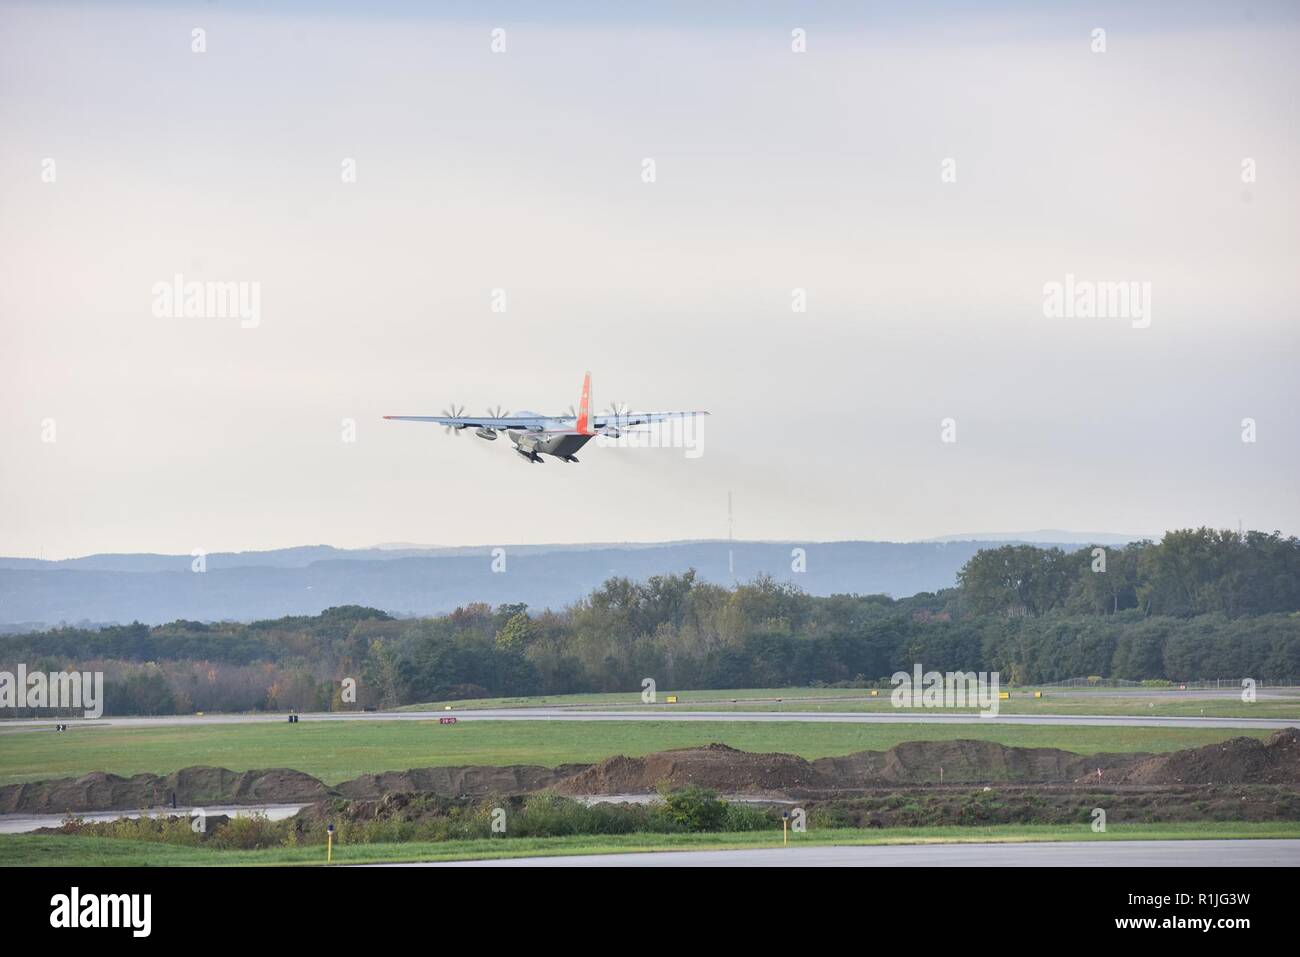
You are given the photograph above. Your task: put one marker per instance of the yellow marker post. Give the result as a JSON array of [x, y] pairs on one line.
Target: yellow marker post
[[329, 844]]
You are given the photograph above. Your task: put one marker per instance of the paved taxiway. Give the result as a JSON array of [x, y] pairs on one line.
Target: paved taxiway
[[26, 823], [1242, 853]]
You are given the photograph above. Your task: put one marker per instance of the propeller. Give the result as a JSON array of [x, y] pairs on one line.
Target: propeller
[[454, 412], [500, 412], [618, 418], [618, 410]]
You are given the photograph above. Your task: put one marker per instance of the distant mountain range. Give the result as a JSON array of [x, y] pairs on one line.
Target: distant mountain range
[[420, 580], [1047, 536]]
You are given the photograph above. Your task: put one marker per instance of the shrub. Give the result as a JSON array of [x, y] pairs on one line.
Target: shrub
[[693, 808], [250, 832], [745, 817]]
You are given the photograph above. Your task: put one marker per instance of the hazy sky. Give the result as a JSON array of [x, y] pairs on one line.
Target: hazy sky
[[123, 430]]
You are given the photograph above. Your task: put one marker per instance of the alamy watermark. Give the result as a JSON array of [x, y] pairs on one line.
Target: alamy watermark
[[55, 689], [1098, 299], [621, 432], [953, 689], [129, 911], [179, 299]]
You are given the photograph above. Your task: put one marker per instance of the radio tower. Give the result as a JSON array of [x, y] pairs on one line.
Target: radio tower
[[731, 540]]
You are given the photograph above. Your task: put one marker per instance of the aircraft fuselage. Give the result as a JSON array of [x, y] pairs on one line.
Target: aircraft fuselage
[[564, 445]]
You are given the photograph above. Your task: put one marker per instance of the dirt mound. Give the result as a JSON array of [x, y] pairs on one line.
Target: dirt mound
[[714, 766], [197, 786], [729, 771], [192, 787], [458, 781], [1235, 761], [961, 762]]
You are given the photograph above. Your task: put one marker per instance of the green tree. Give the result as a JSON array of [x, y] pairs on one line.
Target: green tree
[[514, 634]]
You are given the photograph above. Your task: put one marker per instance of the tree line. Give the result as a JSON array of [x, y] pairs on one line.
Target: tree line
[[1200, 604], [1190, 572]]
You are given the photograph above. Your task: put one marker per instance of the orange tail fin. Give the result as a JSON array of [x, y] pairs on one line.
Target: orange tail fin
[[584, 406]]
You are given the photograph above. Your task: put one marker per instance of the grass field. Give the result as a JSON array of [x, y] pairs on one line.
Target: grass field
[[1122, 707], [336, 751], [35, 850], [1157, 703]]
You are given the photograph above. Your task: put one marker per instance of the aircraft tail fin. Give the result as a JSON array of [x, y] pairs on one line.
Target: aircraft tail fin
[[584, 406]]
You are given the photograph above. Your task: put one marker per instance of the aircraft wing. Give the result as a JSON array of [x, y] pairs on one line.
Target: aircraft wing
[[556, 435], [538, 423], [523, 422], [638, 418]]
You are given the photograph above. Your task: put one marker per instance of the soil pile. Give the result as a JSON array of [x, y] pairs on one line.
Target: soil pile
[[195, 786], [729, 771], [962, 762], [714, 766], [1235, 761], [458, 781]]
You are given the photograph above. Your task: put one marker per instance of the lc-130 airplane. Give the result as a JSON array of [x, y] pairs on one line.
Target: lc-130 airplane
[[535, 435]]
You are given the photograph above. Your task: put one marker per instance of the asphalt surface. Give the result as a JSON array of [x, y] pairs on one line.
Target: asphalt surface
[[569, 714], [26, 823], [1241, 853]]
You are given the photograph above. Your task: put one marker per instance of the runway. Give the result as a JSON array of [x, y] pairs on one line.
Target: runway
[[570, 714], [1240, 853]]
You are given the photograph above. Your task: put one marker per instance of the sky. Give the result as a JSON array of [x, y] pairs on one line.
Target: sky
[[916, 177]]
